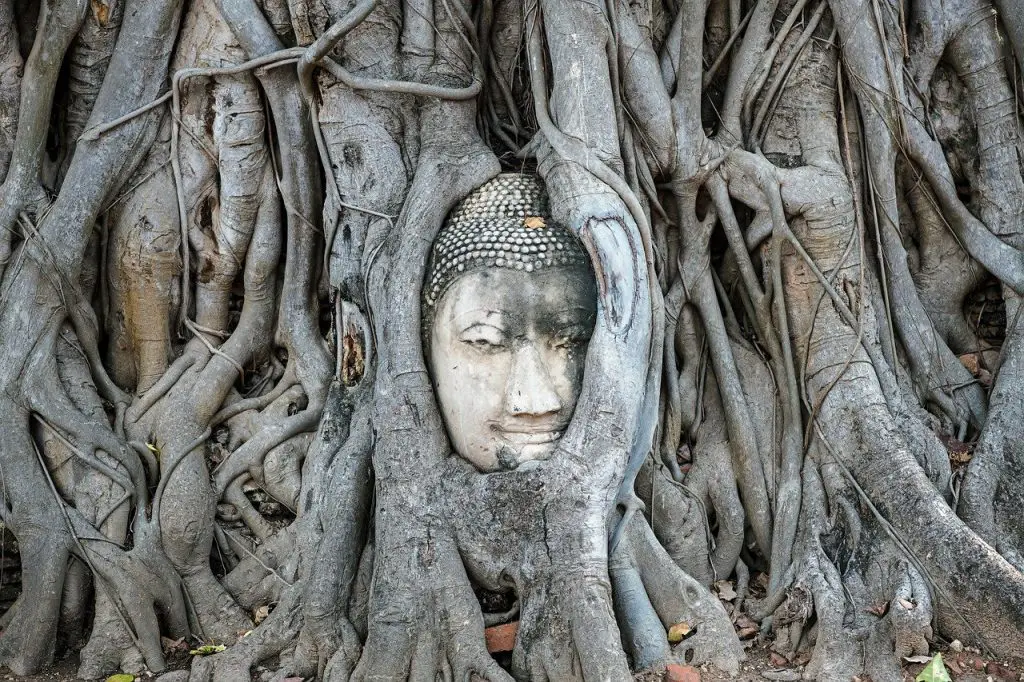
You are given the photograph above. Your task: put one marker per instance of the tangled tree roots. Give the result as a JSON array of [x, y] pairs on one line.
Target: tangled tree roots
[[218, 421]]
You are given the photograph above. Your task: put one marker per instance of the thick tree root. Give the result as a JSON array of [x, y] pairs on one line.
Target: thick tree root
[[678, 598]]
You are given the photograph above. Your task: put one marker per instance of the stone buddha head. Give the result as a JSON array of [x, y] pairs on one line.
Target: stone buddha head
[[509, 307]]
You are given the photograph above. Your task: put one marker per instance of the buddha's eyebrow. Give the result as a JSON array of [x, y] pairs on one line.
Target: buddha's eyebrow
[[573, 313], [479, 316]]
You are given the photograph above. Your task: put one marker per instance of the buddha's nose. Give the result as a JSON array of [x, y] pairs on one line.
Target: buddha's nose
[[530, 390]]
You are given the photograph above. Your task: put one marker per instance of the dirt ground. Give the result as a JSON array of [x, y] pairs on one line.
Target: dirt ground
[[760, 666], [965, 666]]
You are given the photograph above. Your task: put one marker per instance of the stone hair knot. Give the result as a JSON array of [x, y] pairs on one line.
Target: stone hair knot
[[505, 223]]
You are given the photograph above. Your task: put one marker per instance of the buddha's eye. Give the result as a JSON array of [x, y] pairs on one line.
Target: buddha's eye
[[483, 344], [484, 338], [571, 337]]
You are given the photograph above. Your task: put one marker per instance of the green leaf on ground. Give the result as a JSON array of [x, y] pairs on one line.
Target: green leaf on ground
[[121, 677], [935, 671], [207, 649]]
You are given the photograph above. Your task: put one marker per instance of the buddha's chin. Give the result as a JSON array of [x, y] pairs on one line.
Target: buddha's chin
[[537, 451]]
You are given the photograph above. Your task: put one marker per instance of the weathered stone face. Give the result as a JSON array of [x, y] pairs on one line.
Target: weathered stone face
[[507, 350]]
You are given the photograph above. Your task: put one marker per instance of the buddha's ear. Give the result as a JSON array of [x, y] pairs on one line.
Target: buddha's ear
[[614, 256]]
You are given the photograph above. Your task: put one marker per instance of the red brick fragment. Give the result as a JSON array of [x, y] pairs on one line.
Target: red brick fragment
[[501, 638], [681, 673]]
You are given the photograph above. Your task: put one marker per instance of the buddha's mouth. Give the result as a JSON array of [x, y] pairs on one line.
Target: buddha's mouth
[[519, 447], [521, 438]]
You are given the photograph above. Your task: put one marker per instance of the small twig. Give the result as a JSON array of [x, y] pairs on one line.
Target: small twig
[[94, 132], [230, 536], [215, 351], [89, 459]]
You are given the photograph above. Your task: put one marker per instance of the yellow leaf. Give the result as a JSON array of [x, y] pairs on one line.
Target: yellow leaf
[[533, 222], [121, 677], [678, 632]]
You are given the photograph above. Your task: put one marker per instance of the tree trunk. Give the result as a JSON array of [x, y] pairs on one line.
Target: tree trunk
[[220, 414]]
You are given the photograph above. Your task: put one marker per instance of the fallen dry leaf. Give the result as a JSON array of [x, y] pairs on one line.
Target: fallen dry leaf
[[678, 632], [533, 222], [970, 361], [101, 10], [207, 649], [725, 590], [747, 633], [170, 645], [999, 672], [681, 673]]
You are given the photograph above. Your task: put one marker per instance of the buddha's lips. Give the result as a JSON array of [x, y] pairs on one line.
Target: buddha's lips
[[531, 437]]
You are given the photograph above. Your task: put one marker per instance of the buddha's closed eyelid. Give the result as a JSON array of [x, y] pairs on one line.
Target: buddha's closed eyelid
[[571, 335], [483, 336]]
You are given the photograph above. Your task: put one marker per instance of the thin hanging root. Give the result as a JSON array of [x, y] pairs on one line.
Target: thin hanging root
[[158, 390], [240, 544], [255, 449], [88, 458], [55, 408], [213, 350], [175, 459], [778, 84], [84, 322], [760, 76], [95, 132], [317, 55], [153, 653], [788, 505], [286, 381], [712, 71]]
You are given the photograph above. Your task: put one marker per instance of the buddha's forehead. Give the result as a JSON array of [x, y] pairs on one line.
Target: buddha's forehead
[[512, 297]]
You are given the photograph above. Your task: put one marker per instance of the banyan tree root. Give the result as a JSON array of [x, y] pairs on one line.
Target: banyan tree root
[[784, 212]]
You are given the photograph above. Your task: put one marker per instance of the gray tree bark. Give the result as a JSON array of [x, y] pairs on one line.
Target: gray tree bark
[[219, 424]]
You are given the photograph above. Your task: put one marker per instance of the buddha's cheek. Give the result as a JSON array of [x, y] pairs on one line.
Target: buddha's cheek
[[565, 367], [471, 392]]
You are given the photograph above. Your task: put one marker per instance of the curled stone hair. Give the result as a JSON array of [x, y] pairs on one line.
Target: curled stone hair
[[503, 224]]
